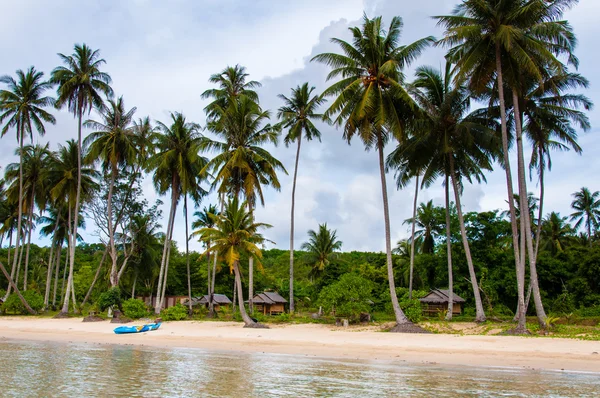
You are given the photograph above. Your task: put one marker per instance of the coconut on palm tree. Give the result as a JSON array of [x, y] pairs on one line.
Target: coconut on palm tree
[[372, 103], [234, 235], [113, 143], [22, 105], [587, 211], [321, 248], [177, 164], [297, 115], [81, 85]]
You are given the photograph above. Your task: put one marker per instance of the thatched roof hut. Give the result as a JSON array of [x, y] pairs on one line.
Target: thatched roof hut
[[437, 300], [218, 300], [269, 303]]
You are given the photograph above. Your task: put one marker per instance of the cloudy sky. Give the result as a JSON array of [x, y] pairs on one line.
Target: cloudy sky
[[160, 55]]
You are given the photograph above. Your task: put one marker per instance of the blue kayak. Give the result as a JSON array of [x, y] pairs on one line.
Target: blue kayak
[[137, 329]]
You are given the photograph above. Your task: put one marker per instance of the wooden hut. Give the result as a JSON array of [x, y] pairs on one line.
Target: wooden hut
[[437, 300], [219, 300], [169, 301], [270, 303]]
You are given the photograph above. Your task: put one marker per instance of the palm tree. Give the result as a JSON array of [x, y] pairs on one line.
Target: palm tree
[[207, 219], [56, 228], [113, 143], [550, 113], [242, 166], [557, 234], [22, 105], [232, 86], [521, 38], [36, 160], [427, 219], [321, 246], [145, 240], [371, 101], [236, 234], [81, 84], [177, 164], [297, 117], [69, 177], [587, 211]]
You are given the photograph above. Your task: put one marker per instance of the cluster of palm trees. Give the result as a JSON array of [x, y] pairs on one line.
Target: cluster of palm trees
[[513, 56]]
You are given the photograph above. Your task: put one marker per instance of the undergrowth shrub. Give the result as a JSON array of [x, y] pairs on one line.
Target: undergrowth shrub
[[134, 309], [176, 313], [13, 303]]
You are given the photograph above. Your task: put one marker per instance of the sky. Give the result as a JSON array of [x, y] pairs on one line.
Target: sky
[[161, 54]]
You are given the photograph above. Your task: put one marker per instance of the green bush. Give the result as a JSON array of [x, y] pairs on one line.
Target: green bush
[[283, 317], [13, 303], [349, 297], [176, 313], [134, 309], [412, 309], [589, 311], [110, 298]]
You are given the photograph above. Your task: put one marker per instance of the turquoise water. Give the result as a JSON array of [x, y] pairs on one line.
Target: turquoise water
[[31, 369]]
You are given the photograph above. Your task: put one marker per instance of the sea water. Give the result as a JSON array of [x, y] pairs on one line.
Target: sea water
[[35, 369]]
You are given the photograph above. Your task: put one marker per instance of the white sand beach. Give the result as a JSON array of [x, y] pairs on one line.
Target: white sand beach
[[311, 340]]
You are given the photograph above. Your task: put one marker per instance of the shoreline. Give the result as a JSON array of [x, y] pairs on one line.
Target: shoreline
[[324, 341]]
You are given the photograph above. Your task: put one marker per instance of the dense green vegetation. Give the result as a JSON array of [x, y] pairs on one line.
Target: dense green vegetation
[[510, 77]]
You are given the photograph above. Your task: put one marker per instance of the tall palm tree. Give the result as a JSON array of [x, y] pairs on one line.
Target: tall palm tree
[[427, 219], [207, 219], [321, 248], [69, 178], [36, 161], [177, 164], [22, 106], [236, 234], [232, 86], [145, 240], [550, 112], [557, 234], [242, 166], [297, 115], [587, 211], [81, 85], [113, 143], [371, 101], [519, 38]]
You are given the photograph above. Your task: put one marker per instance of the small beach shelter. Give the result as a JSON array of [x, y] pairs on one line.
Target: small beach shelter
[[270, 303], [219, 300], [437, 300]]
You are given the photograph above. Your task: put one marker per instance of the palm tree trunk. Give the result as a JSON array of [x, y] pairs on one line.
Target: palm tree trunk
[[401, 319], [187, 254], [75, 216], [412, 239], [89, 292], [21, 134], [66, 267], [14, 286], [134, 283], [449, 313], [111, 232], [8, 250], [29, 230], [234, 295], [67, 292], [164, 287], [212, 284], [21, 251], [167, 243], [211, 309], [56, 273], [250, 273], [238, 283], [479, 313], [292, 227], [520, 268], [49, 273], [537, 298], [538, 233]]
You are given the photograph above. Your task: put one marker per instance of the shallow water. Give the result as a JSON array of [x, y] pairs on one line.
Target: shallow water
[[48, 369]]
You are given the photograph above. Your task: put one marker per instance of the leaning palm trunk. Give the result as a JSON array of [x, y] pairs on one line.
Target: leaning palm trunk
[[211, 306], [412, 239], [533, 279], [479, 313], [49, 273], [401, 319], [250, 274], [75, 216], [89, 292], [14, 286], [520, 268], [538, 233], [66, 293], [449, 313], [167, 243], [187, 255], [56, 273], [21, 251], [20, 213], [240, 296], [292, 227], [29, 230]]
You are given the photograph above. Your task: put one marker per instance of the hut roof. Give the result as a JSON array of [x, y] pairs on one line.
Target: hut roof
[[219, 299], [268, 298], [439, 296]]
